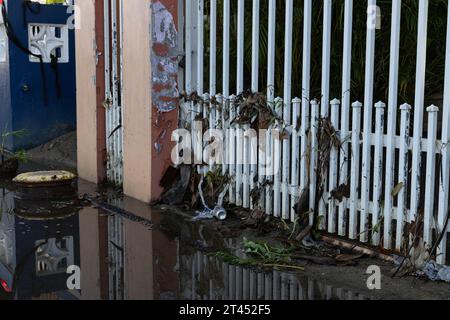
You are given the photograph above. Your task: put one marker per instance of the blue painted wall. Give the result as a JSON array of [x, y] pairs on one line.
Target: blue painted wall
[[21, 109]]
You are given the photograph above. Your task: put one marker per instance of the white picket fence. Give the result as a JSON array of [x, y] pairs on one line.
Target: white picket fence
[[382, 168]]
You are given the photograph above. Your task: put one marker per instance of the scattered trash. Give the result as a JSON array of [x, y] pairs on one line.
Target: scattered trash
[[436, 272], [218, 212], [416, 258]]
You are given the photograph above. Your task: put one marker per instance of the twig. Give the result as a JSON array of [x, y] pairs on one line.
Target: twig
[[283, 266], [357, 248]]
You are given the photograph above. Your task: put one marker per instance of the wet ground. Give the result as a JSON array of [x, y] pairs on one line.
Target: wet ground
[[121, 257]]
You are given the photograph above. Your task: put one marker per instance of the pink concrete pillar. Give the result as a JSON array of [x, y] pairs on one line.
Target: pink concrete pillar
[[150, 93], [90, 92]]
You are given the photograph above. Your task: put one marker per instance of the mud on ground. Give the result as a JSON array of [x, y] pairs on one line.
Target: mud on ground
[[351, 276]]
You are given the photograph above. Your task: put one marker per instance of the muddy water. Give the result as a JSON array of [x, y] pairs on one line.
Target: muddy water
[[122, 258]]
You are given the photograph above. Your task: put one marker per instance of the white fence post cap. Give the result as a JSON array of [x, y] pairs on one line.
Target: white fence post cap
[[405, 106], [433, 108], [357, 104], [380, 104], [335, 102]]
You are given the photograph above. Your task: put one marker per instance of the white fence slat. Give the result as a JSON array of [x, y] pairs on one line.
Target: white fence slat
[[212, 119], [378, 172], [392, 118], [232, 150], [198, 133], [239, 165], [444, 184], [433, 113], [254, 85], [188, 45], [255, 46], [269, 171], [419, 107], [221, 111], [333, 181], [253, 145], [200, 45], [240, 46], [367, 129], [356, 155], [226, 48], [276, 136], [271, 51], [296, 105], [242, 189], [262, 149], [306, 74], [213, 48], [270, 100], [326, 56], [325, 102], [246, 166], [304, 174], [315, 113], [287, 106], [346, 95], [405, 110]]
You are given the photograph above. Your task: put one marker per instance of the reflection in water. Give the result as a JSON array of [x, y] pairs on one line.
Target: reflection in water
[[215, 280], [35, 254], [121, 258]]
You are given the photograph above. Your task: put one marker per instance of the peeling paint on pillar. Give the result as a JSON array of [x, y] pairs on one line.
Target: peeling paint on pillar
[[164, 58], [165, 93]]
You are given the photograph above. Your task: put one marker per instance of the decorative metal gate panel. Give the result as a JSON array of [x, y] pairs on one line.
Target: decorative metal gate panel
[[113, 87]]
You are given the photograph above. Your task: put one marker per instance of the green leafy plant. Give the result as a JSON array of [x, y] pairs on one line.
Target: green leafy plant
[[261, 254], [19, 155]]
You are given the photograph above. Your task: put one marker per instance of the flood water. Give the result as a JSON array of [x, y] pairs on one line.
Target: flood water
[[120, 257]]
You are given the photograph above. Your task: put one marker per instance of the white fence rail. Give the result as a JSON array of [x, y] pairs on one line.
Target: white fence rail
[[369, 188]]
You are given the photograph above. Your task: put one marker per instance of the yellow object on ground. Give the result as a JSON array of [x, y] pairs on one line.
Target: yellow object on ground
[[43, 177], [56, 2]]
